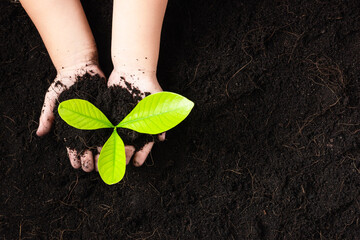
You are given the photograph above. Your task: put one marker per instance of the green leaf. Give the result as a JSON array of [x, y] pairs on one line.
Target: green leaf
[[112, 160], [157, 113], [82, 114]]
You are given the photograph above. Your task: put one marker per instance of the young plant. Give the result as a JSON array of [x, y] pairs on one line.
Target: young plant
[[154, 114]]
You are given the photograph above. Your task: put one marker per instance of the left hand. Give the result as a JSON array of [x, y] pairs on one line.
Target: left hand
[[145, 83]]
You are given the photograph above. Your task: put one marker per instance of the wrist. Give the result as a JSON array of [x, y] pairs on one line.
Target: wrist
[[145, 82], [76, 60], [141, 66], [80, 68], [136, 71]]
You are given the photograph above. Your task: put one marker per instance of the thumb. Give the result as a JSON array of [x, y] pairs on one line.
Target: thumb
[[47, 116]]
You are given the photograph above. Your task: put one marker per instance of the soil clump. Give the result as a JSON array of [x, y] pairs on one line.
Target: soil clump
[[115, 102]]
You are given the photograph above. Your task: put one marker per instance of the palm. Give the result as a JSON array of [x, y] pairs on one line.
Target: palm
[[145, 84]]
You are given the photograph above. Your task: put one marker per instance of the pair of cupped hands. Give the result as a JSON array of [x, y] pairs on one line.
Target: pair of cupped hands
[[67, 77]]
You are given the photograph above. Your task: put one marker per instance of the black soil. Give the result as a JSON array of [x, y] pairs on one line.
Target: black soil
[[115, 102], [271, 150]]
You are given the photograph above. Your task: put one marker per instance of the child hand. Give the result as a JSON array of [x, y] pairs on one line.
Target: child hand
[[145, 83], [63, 81]]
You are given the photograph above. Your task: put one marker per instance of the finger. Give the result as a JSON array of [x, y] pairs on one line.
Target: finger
[[47, 116], [96, 160], [129, 152], [142, 154], [74, 160], [99, 149], [87, 162], [162, 136]]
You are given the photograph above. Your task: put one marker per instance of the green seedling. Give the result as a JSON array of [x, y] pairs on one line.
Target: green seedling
[[154, 114]]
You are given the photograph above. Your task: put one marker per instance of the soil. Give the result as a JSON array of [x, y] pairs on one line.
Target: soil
[[114, 102], [270, 151]]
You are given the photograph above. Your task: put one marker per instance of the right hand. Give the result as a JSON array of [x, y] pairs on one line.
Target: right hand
[[63, 81]]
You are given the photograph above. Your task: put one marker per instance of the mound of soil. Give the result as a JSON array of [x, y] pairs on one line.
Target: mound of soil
[[114, 102], [270, 151]]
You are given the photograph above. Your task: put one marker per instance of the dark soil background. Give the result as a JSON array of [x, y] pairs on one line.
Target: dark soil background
[[271, 150]]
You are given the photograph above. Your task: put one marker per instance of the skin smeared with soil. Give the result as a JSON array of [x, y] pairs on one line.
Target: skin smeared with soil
[[115, 102]]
